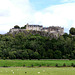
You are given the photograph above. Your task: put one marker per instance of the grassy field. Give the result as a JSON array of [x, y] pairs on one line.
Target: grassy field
[[37, 71], [21, 63]]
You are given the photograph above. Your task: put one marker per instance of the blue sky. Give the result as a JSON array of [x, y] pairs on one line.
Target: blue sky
[[41, 4], [42, 12]]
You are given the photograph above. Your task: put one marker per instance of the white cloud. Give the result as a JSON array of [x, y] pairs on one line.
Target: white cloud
[[57, 15], [14, 12], [20, 12], [68, 1]]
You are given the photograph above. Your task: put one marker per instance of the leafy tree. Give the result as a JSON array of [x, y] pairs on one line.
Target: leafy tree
[[25, 55], [57, 54], [23, 27], [50, 54], [16, 27], [36, 55], [29, 46], [30, 53], [65, 35], [72, 31], [12, 55]]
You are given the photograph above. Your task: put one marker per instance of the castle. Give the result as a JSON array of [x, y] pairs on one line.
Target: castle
[[55, 30]]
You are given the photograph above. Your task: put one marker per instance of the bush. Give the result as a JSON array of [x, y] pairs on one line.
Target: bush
[[4, 58], [47, 65], [7, 57], [23, 65], [22, 58], [70, 58], [32, 65], [72, 64], [39, 65], [5, 66], [56, 65], [64, 65], [38, 58], [29, 58], [0, 57]]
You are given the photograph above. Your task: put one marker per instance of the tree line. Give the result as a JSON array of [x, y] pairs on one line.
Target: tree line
[[22, 46], [18, 27]]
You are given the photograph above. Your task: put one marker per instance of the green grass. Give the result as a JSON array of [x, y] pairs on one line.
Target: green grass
[[37, 71], [20, 63]]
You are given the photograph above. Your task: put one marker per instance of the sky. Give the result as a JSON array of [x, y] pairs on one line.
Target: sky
[[42, 12]]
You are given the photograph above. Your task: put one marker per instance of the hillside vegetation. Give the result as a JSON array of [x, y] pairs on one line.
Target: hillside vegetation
[[30, 46]]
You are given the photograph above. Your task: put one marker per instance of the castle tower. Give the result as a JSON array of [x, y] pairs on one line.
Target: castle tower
[[27, 26]]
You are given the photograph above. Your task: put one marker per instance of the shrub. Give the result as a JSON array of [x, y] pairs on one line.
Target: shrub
[[47, 65], [0, 57], [22, 58], [4, 58], [38, 58], [23, 65], [72, 64], [70, 58], [56, 65], [29, 58], [32, 65], [64, 65], [5, 66], [39, 65], [7, 57]]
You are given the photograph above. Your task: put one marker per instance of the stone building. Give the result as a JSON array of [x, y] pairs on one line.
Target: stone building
[[34, 27], [54, 30], [44, 29]]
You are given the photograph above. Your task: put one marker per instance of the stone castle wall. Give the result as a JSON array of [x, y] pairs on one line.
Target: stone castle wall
[[55, 30]]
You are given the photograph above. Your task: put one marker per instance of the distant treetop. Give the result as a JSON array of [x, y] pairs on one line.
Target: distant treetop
[[72, 31], [16, 26]]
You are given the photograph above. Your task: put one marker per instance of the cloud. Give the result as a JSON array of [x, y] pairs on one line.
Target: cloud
[[14, 12], [4, 13], [68, 1], [20, 12], [58, 15]]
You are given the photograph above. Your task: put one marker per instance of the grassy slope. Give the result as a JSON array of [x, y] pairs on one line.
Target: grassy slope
[[37, 71], [20, 63]]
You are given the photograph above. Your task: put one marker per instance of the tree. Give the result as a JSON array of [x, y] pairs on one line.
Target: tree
[[33, 45], [16, 27], [30, 53], [25, 55], [50, 54], [72, 31], [65, 35], [57, 54], [19, 54], [12, 55], [68, 45], [36, 55], [23, 27]]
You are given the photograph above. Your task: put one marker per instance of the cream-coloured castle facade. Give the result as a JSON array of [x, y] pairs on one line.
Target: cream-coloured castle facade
[[34, 27], [56, 30]]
